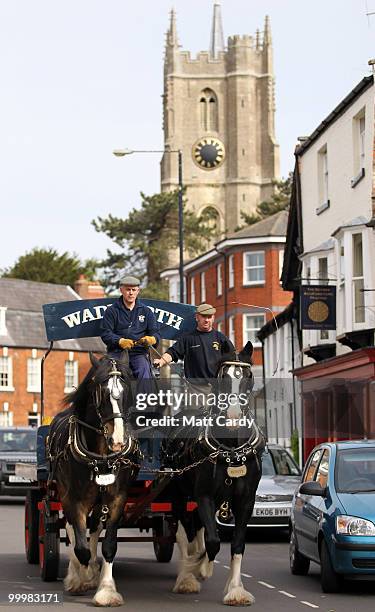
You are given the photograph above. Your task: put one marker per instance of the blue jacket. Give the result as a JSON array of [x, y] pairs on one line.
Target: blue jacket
[[120, 322]]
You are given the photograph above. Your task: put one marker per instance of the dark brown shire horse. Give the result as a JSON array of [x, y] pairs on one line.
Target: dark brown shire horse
[[92, 456], [229, 451]]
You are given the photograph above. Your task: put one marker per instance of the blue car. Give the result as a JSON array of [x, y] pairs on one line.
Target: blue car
[[333, 513]]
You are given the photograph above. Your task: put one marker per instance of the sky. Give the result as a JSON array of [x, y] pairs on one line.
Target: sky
[[80, 78]]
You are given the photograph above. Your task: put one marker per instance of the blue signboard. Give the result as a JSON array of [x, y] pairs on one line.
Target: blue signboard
[[318, 307], [82, 318]]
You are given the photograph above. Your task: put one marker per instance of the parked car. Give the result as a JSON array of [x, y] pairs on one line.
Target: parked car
[[280, 477], [17, 445], [333, 513]]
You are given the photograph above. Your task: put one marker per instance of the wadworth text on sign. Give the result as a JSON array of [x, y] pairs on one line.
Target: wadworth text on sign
[[82, 318], [318, 307]]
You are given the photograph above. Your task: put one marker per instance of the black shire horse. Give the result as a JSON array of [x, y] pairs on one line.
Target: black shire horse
[[229, 450], [92, 456]]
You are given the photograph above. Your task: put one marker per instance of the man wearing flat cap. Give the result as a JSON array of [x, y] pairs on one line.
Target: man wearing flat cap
[[130, 325], [202, 350]]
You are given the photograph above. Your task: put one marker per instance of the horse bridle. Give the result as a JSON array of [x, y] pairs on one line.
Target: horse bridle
[[82, 453], [240, 453]]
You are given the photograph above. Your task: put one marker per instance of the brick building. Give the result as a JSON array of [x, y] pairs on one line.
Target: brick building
[[23, 343], [240, 276]]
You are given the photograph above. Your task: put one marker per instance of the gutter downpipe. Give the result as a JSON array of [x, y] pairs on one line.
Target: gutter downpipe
[[264, 391]]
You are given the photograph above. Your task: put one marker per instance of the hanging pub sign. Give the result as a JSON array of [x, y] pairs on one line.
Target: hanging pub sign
[[318, 307]]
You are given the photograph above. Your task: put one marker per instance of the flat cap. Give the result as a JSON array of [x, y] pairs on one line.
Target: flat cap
[[206, 309], [131, 281]]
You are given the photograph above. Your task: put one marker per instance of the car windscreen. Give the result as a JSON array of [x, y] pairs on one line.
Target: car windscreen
[[355, 470], [279, 463], [18, 441]]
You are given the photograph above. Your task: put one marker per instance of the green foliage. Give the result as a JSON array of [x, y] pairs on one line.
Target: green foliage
[[146, 236], [294, 442], [279, 200], [48, 266]]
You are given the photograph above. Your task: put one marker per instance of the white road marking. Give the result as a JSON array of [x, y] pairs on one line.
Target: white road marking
[[287, 594], [246, 575], [307, 603], [226, 566], [215, 561], [269, 586]]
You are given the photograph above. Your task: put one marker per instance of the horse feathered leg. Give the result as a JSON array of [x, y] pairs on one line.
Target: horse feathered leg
[[107, 594], [234, 592], [242, 506], [186, 581]]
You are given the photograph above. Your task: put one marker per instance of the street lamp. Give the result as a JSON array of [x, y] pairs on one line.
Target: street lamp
[[122, 153]]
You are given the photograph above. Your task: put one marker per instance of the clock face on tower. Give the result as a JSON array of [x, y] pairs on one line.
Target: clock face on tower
[[208, 153]]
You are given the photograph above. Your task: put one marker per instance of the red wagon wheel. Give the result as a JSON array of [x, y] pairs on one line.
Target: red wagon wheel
[[33, 496], [49, 545]]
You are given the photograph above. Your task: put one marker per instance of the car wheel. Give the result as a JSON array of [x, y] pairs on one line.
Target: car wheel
[[299, 564], [330, 580]]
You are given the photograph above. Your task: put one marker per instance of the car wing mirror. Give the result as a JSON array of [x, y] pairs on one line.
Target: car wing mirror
[[312, 488]]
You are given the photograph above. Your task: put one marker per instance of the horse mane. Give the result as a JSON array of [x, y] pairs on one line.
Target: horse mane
[[98, 374]]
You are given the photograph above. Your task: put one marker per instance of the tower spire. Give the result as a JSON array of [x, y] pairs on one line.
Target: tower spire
[[217, 35], [172, 38], [267, 38]]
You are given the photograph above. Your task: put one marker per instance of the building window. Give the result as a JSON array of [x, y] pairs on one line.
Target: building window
[[71, 376], [358, 295], [220, 327], [33, 375], [192, 291], [232, 333], [231, 272], [323, 175], [208, 111], [33, 419], [323, 270], [6, 416], [251, 326], [6, 381], [254, 268], [219, 275], [359, 146], [203, 287]]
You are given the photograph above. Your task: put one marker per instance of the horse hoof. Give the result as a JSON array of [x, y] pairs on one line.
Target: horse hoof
[[107, 598], [187, 584], [74, 585], [206, 569], [238, 597]]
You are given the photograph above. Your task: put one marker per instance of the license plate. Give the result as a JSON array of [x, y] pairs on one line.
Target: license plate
[[265, 512], [18, 479]]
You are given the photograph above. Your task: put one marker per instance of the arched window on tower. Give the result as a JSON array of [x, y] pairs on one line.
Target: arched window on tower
[[208, 111], [211, 218]]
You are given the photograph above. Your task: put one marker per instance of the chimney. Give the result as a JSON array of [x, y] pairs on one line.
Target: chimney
[[88, 290]]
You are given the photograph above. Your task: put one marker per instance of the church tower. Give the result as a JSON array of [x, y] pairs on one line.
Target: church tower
[[219, 108]]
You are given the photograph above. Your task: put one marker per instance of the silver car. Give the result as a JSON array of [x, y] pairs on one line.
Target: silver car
[[280, 478]]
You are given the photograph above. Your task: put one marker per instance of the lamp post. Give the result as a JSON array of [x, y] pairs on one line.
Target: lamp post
[[122, 153]]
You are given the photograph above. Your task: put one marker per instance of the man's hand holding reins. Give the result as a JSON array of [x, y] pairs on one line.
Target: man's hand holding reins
[[146, 341], [126, 344], [164, 360]]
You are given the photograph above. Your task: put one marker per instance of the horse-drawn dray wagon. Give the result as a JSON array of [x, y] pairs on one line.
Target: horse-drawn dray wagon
[[96, 472]]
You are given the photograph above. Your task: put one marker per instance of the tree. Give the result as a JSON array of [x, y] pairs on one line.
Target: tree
[[279, 200], [48, 266], [147, 235]]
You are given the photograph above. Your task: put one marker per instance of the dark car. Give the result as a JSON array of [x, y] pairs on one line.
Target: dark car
[[333, 513], [280, 477], [17, 445]]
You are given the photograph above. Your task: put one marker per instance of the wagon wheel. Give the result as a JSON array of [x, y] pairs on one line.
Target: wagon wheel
[[33, 496], [163, 550], [49, 546]]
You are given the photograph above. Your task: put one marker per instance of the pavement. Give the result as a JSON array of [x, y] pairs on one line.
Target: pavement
[[146, 584]]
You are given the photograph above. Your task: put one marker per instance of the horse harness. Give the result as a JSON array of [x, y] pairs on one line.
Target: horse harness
[[103, 468]]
